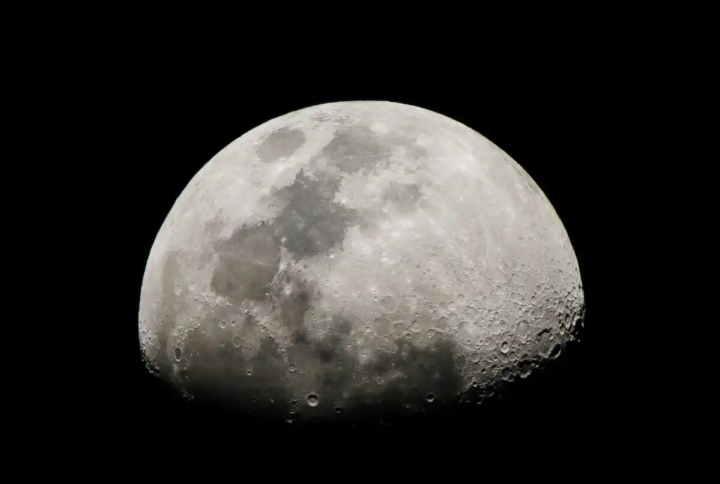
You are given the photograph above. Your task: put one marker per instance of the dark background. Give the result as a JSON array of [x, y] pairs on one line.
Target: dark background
[[111, 112], [154, 107], [108, 113]]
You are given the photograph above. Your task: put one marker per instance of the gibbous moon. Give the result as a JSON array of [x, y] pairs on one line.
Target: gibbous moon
[[354, 259]]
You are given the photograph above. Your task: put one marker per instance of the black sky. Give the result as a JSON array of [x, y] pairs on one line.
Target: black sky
[[154, 110]]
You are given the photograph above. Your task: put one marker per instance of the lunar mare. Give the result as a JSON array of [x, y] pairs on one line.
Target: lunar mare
[[355, 256]]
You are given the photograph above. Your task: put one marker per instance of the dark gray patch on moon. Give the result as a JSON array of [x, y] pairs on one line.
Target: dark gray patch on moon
[[393, 383], [399, 380], [257, 385], [248, 261], [170, 274], [280, 143], [293, 300], [356, 147], [417, 373], [310, 221], [402, 195]]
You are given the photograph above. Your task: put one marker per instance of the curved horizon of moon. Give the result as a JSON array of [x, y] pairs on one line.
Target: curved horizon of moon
[[353, 256]]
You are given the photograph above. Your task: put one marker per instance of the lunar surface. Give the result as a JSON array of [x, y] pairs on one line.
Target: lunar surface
[[354, 259]]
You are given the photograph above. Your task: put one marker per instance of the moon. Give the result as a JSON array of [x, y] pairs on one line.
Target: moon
[[354, 259]]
